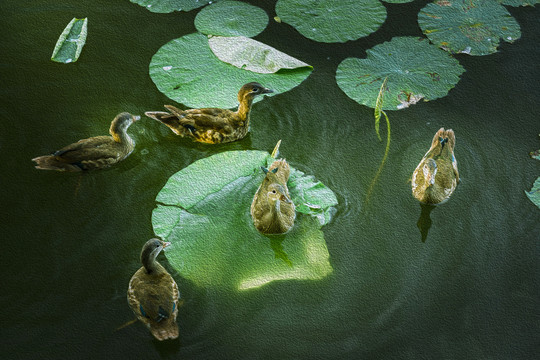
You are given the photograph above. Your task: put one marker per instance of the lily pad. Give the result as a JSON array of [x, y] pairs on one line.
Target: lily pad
[[472, 27], [534, 194], [252, 55], [415, 70], [167, 6], [397, 1], [185, 69], [332, 21], [213, 239], [519, 2], [70, 43], [231, 18]]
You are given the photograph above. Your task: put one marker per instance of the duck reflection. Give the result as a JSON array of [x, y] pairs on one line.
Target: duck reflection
[[424, 221]]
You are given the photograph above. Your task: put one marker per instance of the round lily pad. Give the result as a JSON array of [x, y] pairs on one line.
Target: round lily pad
[[534, 193], [187, 71], [519, 2], [231, 18], [330, 20], [204, 211], [167, 6], [472, 27], [415, 70]]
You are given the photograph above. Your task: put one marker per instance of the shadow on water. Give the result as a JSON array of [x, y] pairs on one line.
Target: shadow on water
[[424, 221], [276, 243]]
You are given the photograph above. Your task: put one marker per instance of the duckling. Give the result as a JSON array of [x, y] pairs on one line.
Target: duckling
[[93, 153], [212, 125], [436, 176], [272, 209], [153, 294]]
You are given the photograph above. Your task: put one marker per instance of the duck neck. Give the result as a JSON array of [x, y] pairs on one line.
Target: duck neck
[[151, 265], [122, 137], [244, 108]]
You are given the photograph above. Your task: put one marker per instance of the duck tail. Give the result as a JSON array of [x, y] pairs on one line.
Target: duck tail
[[169, 330], [50, 162], [284, 168], [166, 118]]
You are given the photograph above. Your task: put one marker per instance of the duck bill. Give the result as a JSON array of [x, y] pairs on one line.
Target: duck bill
[[267, 91], [136, 117], [165, 244]]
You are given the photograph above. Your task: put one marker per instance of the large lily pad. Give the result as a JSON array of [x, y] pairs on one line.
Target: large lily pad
[[187, 71], [252, 55], [534, 194], [204, 211], [415, 70], [167, 6], [231, 18], [519, 2], [332, 21], [473, 27], [70, 43]]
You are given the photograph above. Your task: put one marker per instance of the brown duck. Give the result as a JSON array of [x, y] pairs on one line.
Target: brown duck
[[436, 176], [153, 293], [212, 125], [272, 209], [95, 152]]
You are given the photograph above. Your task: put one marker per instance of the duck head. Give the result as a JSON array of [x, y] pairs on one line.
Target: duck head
[[122, 122], [430, 170], [276, 195], [251, 90], [150, 251]]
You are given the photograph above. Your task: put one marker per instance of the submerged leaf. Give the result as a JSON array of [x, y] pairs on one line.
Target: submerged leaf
[[70, 43], [167, 6], [231, 18], [214, 241], [415, 70], [185, 69], [534, 193], [330, 20], [252, 55], [468, 26]]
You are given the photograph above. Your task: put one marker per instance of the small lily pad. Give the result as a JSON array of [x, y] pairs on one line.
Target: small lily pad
[[473, 27], [415, 70], [185, 69], [167, 6], [252, 55], [70, 43], [534, 193], [519, 2], [231, 18], [330, 20], [214, 242]]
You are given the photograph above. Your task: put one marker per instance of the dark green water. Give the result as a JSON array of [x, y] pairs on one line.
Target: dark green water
[[470, 291]]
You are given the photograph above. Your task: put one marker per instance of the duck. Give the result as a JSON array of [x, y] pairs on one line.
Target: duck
[[212, 125], [436, 176], [272, 210], [97, 152], [153, 294]]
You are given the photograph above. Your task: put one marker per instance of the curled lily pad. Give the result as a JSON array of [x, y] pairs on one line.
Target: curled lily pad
[[167, 6], [231, 18], [330, 20], [185, 69], [519, 2], [70, 43], [252, 55], [415, 70], [472, 27], [214, 242], [534, 194]]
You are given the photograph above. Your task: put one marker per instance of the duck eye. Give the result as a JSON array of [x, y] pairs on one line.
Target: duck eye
[[255, 90], [273, 191]]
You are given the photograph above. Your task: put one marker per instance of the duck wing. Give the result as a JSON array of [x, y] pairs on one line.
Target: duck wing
[[99, 147], [205, 119]]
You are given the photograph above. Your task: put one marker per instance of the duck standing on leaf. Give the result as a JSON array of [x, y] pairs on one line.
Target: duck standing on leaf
[[436, 177], [272, 209], [153, 294], [93, 153], [212, 125]]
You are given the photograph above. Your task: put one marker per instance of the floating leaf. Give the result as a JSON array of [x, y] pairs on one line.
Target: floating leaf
[[468, 26], [71, 41], [167, 6], [214, 242], [330, 20], [231, 18], [519, 2], [252, 55], [397, 1], [415, 70], [185, 69], [534, 194]]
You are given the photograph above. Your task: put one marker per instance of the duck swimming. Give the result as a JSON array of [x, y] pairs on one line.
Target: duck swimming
[[93, 153], [436, 176], [212, 125], [272, 209], [153, 293]]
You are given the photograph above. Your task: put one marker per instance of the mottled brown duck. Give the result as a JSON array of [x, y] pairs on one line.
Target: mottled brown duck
[[153, 294], [272, 209], [212, 125], [436, 176], [93, 153]]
